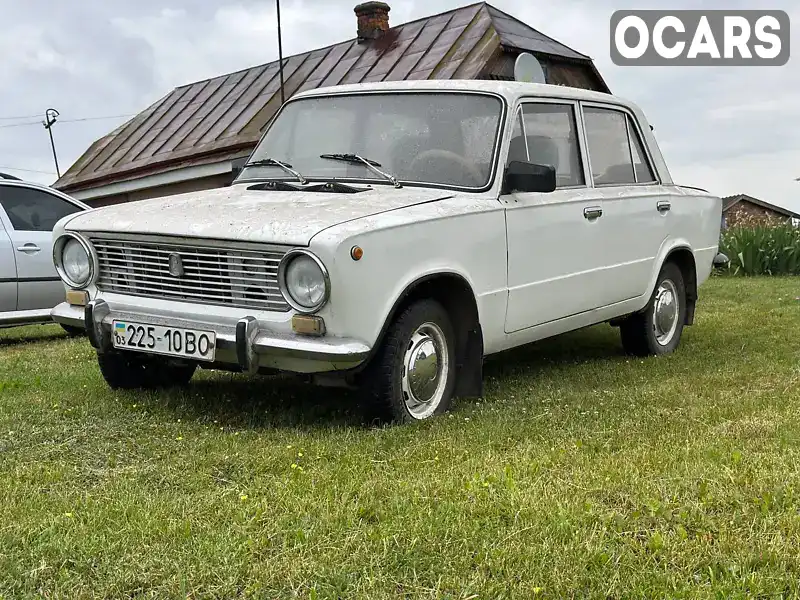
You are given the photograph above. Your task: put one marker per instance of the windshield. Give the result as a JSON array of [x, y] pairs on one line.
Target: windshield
[[435, 138]]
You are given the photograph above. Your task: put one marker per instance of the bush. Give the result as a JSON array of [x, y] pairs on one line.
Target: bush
[[762, 248]]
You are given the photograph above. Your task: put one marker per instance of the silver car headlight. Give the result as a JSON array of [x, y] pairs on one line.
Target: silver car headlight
[[304, 281], [73, 260]]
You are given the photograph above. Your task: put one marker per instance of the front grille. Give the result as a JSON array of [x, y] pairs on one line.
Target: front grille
[[211, 275]]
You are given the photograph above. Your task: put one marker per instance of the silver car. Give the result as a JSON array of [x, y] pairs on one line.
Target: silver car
[[29, 284]]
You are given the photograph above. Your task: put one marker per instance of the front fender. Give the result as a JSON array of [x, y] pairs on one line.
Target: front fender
[[437, 240]]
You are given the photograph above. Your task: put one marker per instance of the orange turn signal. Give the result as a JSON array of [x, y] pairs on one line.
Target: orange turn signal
[[308, 325], [356, 252], [77, 297]]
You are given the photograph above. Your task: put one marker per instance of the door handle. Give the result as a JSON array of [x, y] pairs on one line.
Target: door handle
[[29, 248], [592, 212], [663, 206]]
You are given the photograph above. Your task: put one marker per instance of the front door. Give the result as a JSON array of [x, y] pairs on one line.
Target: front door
[[555, 240], [8, 273], [31, 215]]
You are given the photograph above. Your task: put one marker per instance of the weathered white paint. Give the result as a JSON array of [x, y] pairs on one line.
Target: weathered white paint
[[536, 266], [236, 213]]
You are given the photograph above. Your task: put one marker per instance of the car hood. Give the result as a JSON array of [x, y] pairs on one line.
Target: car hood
[[236, 213]]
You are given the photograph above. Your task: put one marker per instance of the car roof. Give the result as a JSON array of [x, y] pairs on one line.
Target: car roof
[[510, 90]]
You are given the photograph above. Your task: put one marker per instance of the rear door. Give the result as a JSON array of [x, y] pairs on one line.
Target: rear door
[[8, 272], [636, 208], [31, 214]]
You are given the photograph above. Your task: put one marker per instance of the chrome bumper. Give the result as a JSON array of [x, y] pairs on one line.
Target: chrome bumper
[[24, 317], [247, 344]]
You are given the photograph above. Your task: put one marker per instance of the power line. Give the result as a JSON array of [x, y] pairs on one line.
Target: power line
[[21, 124], [27, 170], [95, 118], [18, 118], [28, 123]]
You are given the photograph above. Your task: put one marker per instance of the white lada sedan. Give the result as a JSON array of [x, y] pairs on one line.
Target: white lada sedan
[[389, 236]]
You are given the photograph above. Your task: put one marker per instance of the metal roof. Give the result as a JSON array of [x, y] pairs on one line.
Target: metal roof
[[729, 202], [228, 113]]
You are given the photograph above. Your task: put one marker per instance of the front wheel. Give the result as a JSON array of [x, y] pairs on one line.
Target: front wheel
[[657, 330], [130, 370], [412, 377]]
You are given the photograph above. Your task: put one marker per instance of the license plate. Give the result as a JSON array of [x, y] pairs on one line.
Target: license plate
[[170, 341]]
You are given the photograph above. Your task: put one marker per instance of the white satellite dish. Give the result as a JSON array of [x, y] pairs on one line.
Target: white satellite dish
[[528, 69]]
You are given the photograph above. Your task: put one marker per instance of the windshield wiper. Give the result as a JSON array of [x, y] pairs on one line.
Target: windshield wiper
[[271, 162], [370, 164]]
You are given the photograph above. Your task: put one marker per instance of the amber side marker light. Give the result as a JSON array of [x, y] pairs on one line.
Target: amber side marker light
[[308, 325], [356, 252], [77, 297]]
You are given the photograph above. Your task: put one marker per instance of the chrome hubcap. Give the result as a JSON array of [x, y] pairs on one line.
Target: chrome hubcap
[[665, 312], [426, 364]]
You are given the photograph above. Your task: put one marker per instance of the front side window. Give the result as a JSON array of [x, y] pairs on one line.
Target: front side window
[[435, 138], [517, 148], [615, 149], [548, 135], [33, 210]]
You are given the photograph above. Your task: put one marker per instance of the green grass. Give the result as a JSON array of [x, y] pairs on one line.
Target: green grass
[[582, 473]]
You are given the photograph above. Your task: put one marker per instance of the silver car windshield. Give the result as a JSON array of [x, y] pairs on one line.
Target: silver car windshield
[[429, 138]]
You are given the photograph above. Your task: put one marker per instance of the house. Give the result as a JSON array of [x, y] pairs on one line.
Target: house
[[735, 208], [198, 136]]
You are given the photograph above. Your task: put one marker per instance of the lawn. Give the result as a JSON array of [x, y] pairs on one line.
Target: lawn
[[582, 473]]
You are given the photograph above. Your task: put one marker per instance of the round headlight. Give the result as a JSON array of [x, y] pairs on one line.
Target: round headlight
[[304, 281], [73, 262]]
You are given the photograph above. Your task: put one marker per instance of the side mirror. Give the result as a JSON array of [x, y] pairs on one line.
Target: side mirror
[[529, 177]]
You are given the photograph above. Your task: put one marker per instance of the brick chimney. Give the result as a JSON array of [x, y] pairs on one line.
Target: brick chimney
[[373, 20]]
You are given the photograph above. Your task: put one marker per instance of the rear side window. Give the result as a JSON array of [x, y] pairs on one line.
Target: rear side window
[[615, 151], [33, 210]]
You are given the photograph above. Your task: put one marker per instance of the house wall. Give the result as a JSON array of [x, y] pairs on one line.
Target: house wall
[[744, 210], [182, 187]]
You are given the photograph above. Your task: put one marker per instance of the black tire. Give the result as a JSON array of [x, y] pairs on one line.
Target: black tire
[[388, 389], [74, 331], [638, 332], [129, 371]]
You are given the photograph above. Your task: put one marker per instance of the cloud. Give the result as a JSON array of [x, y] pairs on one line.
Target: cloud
[[726, 129]]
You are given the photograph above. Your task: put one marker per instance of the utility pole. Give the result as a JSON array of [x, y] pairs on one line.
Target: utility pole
[[280, 48], [50, 117]]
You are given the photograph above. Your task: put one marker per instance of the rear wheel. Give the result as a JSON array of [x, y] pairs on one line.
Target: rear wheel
[[412, 377], [657, 330], [129, 370]]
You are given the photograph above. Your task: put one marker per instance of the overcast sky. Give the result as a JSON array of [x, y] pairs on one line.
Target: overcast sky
[[728, 129]]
